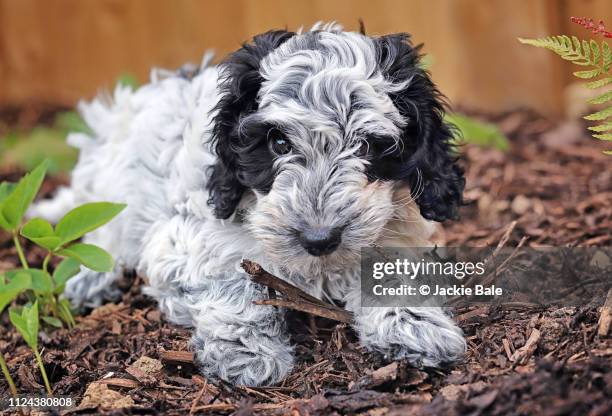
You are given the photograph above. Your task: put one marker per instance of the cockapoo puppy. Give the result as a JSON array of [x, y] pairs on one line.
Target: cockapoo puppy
[[296, 151]]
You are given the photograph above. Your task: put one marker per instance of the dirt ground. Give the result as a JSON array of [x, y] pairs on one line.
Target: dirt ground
[[553, 188]]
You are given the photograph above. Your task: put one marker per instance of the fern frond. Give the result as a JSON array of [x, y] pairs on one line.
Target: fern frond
[[602, 127], [600, 99], [598, 60], [577, 44], [595, 51], [606, 56], [600, 115], [586, 50], [561, 45], [578, 52], [605, 136], [599, 83], [588, 74]]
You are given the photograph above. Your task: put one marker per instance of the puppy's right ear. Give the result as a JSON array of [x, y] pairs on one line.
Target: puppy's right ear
[[240, 81]]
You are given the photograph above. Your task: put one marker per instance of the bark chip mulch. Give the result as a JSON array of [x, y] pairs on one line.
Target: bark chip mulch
[[552, 188]]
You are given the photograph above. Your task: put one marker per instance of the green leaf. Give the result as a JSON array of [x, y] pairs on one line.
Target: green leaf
[[602, 98], [574, 58], [90, 256], [27, 324], [64, 271], [606, 136], [601, 127], [41, 282], [15, 205], [72, 122], [478, 132], [586, 50], [606, 55], [576, 44], [588, 74], [65, 312], [600, 115], [3, 222], [86, 218], [599, 83], [10, 290], [595, 51], [40, 232], [52, 321], [5, 190]]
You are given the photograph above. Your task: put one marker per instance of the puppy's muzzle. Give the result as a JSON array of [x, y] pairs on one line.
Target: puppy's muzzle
[[320, 241]]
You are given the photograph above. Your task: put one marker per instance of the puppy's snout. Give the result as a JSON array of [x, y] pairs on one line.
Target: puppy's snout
[[319, 241]]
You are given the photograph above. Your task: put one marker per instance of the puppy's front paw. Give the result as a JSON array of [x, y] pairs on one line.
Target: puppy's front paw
[[425, 336], [261, 363]]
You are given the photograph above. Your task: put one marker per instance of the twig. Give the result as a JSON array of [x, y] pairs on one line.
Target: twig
[[606, 316], [181, 357], [260, 275], [507, 348], [490, 277], [523, 354], [504, 239], [483, 310], [511, 256], [120, 382], [294, 298], [376, 378], [318, 310], [227, 407], [195, 401]]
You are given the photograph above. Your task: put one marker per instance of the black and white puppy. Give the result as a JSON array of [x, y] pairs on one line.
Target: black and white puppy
[[295, 152]]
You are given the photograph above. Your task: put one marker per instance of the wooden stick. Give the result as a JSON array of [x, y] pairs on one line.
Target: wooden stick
[[606, 316], [120, 382], [226, 407], [295, 298], [260, 275], [523, 354], [180, 357], [337, 315]]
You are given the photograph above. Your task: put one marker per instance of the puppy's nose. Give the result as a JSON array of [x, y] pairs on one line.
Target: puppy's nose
[[319, 241]]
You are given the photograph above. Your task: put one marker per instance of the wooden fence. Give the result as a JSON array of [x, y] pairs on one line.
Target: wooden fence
[[58, 51]]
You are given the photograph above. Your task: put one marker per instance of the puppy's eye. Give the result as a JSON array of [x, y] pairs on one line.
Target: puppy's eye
[[280, 145]]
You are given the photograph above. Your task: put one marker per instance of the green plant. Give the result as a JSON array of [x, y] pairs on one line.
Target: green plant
[[596, 59], [477, 132], [43, 288], [27, 324], [8, 292]]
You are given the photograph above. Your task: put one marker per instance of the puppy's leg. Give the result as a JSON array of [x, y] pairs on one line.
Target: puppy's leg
[[90, 288], [234, 339], [425, 336]]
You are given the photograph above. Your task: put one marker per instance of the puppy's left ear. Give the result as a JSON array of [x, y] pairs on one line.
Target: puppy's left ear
[[428, 164], [240, 81]]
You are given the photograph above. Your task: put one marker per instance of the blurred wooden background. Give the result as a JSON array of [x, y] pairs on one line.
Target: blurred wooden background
[[57, 51]]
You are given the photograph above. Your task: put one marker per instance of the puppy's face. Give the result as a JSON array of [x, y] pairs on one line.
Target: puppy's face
[[322, 127]]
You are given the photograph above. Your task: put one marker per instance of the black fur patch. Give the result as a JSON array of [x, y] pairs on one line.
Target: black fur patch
[[241, 163], [426, 160]]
